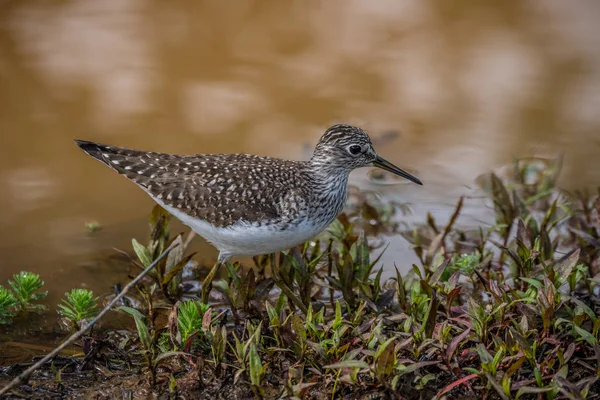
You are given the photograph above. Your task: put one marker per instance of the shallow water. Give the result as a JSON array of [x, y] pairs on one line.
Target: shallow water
[[462, 86]]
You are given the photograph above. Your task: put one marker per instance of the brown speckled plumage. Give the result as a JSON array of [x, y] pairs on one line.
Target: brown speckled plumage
[[225, 189], [218, 188]]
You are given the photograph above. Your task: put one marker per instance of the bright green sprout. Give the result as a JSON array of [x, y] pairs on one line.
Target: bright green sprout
[[466, 263], [79, 305], [8, 303], [25, 285], [93, 226], [190, 317]]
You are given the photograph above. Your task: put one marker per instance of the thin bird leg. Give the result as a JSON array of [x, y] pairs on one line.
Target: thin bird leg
[[207, 283]]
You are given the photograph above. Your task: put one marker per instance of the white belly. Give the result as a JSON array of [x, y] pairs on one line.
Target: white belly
[[247, 239]]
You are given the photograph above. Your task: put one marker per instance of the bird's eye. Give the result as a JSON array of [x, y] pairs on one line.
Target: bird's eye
[[354, 149]]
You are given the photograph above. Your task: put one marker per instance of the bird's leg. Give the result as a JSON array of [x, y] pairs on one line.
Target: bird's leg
[[207, 283]]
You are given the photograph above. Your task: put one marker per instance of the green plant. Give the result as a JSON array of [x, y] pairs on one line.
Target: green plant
[[353, 266], [147, 341], [93, 226], [506, 311], [256, 371], [167, 274], [79, 305], [241, 350], [190, 318], [294, 273], [8, 302], [25, 286], [466, 263], [244, 291]]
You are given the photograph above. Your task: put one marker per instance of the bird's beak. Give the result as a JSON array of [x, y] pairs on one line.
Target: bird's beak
[[388, 166]]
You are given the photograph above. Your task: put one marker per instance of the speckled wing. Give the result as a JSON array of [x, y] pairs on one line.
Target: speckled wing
[[219, 188]]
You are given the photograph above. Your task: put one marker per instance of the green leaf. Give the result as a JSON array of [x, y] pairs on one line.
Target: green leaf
[[532, 282], [172, 272], [407, 369], [417, 271], [143, 333], [400, 292], [338, 315], [533, 390], [25, 285], [505, 212], [8, 303], [549, 214], [564, 267], [588, 337], [525, 345], [176, 255], [142, 253], [348, 364], [207, 282], [132, 311], [435, 276], [363, 258], [385, 358], [496, 385], [484, 355], [233, 273], [80, 304], [190, 318], [273, 317], [584, 307], [430, 316], [158, 213], [298, 326], [168, 354], [255, 366], [254, 338]]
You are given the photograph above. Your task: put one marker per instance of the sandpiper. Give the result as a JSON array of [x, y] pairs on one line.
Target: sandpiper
[[246, 205]]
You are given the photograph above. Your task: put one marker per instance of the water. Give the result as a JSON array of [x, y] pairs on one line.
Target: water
[[466, 86]]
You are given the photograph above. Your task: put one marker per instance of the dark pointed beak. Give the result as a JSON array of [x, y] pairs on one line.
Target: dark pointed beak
[[388, 166]]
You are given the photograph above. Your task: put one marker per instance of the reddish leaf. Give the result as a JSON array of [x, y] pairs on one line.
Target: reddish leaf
[[173, 326], [454, 384], [453, 295], [454, 344]]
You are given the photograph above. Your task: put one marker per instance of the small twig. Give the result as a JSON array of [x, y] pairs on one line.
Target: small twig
[[24, 376]]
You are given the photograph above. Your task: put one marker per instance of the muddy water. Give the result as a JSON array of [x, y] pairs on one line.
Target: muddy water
[[466, 86]]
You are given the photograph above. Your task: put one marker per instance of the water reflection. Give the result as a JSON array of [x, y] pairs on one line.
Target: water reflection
[[468, 85]]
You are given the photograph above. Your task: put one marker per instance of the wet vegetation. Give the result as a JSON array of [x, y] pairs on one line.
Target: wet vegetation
[[23, 297], [506, 311]]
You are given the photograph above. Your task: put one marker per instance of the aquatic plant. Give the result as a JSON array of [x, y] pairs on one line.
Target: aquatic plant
[[79, 305], [191, 319], [8, 303], [25, 285]]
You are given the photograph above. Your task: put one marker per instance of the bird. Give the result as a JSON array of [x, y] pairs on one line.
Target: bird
[[248, 205]]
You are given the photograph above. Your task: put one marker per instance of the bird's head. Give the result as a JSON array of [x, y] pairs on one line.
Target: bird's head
[[348, 147]]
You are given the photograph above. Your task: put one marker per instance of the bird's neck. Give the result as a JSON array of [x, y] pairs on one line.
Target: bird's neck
[[330, 185]]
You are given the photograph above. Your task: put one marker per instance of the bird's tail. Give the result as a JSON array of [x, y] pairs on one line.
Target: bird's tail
[[93, 149], [139, 166], [115, 157]]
